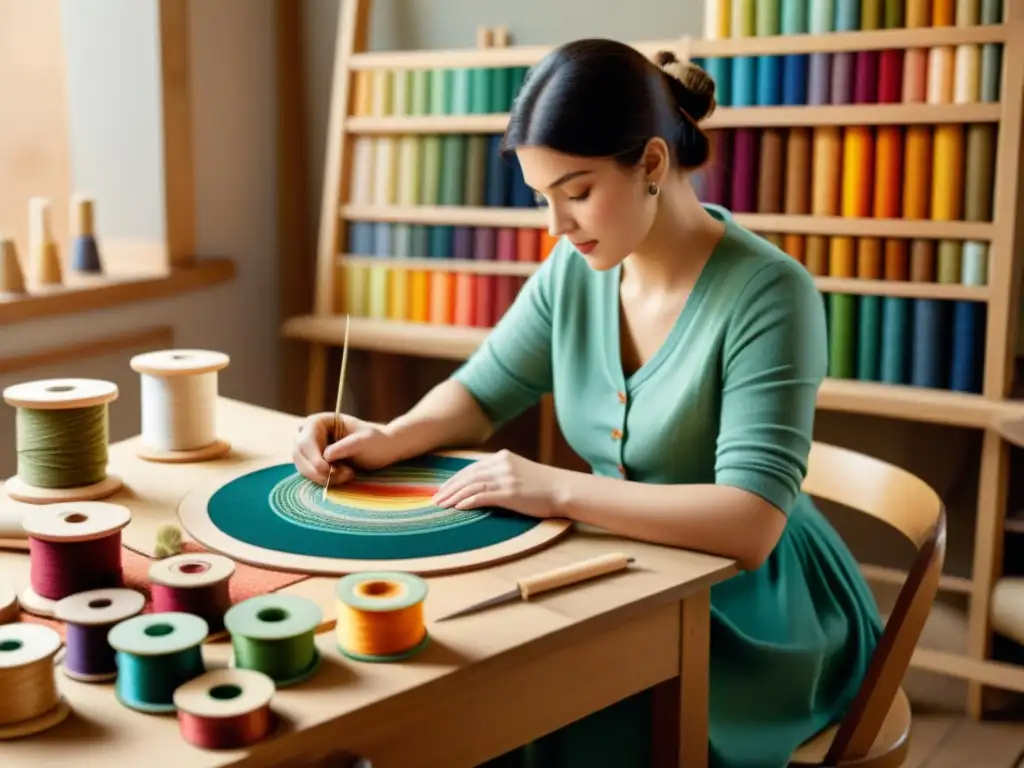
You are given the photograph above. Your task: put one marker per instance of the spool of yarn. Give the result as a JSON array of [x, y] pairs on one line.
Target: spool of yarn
[[179, 405], [62, 432], [43, 253], [85, 252], [9, 609], [274, 634], [156, 653], [30, 702], [12, 278], [380, 615], [226, 709], [72, 548], [89, 617], [193, 583]]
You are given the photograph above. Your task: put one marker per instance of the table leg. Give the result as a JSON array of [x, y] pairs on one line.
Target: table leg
[[681, 704]]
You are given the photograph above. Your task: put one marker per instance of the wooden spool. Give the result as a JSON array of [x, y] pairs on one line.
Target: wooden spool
[[61, 394], [12, 279]]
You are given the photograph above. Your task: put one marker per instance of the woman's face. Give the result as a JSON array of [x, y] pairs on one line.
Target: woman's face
[[602, 208]]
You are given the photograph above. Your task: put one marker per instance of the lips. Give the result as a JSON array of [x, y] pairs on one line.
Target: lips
[[586, 246]]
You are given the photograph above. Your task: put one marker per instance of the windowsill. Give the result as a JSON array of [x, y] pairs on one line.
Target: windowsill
[[142, 280]]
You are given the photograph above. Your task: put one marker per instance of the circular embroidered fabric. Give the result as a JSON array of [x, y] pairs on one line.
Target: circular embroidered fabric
[[272, 516]]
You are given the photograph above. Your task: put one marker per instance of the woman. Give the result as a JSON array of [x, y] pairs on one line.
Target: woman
[[684, 354]]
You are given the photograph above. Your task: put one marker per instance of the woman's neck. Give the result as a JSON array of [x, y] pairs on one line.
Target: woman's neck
[[679, 243]]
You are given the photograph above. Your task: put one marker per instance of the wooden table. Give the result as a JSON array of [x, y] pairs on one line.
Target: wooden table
[[487, 683]]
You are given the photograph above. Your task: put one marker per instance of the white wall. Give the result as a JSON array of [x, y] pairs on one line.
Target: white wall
[[113, 84]]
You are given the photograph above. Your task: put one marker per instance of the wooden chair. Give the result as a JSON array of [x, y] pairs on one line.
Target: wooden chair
[[875, 732]]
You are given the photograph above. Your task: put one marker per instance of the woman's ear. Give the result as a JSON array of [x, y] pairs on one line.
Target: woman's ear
[[655, 161]]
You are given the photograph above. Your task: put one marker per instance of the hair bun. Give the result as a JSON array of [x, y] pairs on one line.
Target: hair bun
[[697, 95]]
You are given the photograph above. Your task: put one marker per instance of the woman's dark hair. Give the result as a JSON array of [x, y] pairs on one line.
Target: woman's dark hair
[[603, 98]]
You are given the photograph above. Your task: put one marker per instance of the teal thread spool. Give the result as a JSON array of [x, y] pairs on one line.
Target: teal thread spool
[[274, 634], [157, 653], [62, 440]]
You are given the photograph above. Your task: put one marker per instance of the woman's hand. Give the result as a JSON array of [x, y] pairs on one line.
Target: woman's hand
[[505, 480], [364, 445]]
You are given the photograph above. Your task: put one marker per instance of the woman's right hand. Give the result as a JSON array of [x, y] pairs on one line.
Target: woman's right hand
[[364, 445]]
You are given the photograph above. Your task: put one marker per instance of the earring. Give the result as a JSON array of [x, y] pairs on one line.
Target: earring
[[652, 188]]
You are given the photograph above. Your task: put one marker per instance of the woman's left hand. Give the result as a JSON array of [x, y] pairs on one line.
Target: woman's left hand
[[506, 480]]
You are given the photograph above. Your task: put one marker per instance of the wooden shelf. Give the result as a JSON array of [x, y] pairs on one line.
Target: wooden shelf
[[471, 216], [527, 55], [459, 342], [473, 266], [854, 285], [723, 117], [84, 294]]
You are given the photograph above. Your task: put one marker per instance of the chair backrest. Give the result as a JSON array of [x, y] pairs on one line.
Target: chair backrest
[[912, 507]]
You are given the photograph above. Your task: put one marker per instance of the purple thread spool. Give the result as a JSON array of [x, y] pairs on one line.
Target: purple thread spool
[[88, 618]]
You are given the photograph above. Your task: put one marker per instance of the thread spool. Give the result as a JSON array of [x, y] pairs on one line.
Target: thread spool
[[274, 634], [44, 256], [179, 405], [72, 548], [85, 253], [88, 618], [30, 702], [62, 430], [193, 583], [12, 278], [156, 653], [380, 616], [9, 608], [226, 709]]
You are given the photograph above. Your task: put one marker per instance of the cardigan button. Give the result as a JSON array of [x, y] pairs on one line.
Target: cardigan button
[[616, 434], [622, 397]]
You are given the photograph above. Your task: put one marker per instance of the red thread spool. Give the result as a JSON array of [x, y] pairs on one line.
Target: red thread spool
[[225, 708], [193, 583], [73, 547]]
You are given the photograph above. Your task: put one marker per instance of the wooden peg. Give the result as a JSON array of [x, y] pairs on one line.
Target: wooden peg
[[12, 279], [85, 253], [44, 255], [501, 37], [484, 37]]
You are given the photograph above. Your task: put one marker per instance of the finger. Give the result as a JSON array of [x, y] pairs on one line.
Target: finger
[[308, 450], [308, 471], [342, 474], [466, 475], [345, 447], [485, 499], [474, 488]]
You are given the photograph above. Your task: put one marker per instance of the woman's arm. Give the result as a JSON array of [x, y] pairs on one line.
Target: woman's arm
[[446, 417], [506, 375], [717, 519]]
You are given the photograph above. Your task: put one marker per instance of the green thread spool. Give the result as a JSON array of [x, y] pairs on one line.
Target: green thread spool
[[62, 430], [274, 634], [156, 654], [62, 449]]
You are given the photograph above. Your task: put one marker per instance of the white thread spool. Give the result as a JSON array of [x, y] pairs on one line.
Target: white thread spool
[[179, 405]]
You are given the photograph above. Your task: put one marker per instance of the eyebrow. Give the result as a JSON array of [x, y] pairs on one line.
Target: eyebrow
[[567, 177]]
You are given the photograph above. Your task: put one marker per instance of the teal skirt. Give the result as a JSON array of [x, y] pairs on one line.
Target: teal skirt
[[790, 644]]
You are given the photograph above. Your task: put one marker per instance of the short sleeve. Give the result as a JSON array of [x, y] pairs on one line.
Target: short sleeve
[[512, 369], [774, 360]]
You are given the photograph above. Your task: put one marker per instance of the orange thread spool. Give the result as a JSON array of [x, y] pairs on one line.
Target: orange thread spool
[[380, 616]]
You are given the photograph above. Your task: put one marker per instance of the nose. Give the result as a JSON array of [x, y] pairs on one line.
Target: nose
[[559, 223]]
